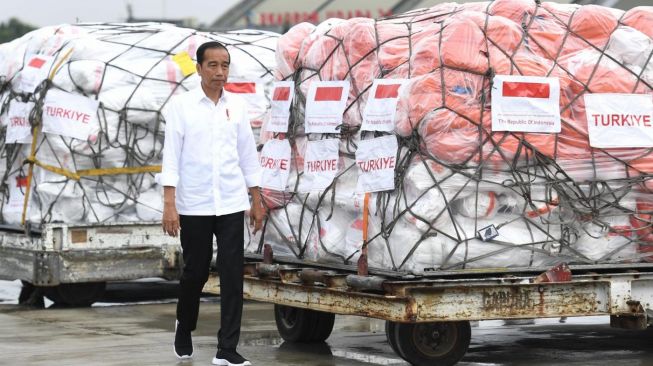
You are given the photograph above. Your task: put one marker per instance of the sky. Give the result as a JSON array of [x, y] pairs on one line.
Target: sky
[[50, 12]]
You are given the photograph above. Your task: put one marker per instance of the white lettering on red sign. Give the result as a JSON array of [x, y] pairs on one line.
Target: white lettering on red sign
[[619, 120], [376, 161]]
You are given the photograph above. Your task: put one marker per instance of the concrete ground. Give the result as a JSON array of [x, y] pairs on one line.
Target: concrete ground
[[133, 326]]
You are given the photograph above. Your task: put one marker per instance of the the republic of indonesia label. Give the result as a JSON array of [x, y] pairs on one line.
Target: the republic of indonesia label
[[34, 72], [619, 120], [275, 164], [526, 104], [325, 105], [69, 114], [19, 130], [253, 92], [381, 107], [320, 165], [282, 97], [376, 160]]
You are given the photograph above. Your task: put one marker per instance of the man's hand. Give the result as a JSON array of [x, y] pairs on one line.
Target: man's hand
[[257, 212], [170, 220]]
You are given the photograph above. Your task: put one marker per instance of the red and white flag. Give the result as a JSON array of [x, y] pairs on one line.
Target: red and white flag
[[34, 72], [253, 92], [325, 105], [381, 107], [526, 104], [282, 97]]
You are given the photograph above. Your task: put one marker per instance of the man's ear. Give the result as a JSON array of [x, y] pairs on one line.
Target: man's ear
[[198, 67]]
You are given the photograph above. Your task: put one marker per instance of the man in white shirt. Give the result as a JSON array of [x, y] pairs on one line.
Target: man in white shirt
[[209, 163]]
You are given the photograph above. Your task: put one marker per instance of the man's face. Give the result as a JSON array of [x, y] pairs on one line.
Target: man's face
[[214, 69]]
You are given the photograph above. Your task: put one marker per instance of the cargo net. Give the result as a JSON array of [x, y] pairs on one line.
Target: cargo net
[[132, 70], [467, 197]]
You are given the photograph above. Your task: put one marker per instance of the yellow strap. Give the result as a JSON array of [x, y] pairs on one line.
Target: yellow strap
[[95, 172], [117, 171]]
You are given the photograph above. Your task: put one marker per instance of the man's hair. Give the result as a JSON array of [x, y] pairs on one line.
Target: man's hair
[[199, 55]]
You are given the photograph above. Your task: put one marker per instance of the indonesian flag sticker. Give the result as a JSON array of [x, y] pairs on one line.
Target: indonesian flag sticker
[[282, 97], [526, 104], [381, 107], [325, 105]]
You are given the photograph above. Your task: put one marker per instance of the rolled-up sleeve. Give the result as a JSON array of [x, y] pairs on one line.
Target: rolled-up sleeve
[[248, 156], [174, 137]]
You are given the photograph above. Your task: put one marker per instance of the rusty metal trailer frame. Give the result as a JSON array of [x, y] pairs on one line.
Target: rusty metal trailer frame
[[627, 296], [428, 319], [68, 254]]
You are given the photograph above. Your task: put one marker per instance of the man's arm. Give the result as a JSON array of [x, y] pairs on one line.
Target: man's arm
[[170, 219], [170, 169], [257, 212], [251, 168]]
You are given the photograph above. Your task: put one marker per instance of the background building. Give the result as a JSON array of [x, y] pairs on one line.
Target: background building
[[279, 15]]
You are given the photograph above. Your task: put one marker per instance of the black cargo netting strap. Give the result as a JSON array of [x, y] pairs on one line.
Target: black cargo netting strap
[[545, 199], [129, 69]]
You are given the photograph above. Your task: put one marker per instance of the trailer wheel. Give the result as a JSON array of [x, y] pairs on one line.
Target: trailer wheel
[[76, 294], [391, 335], [433, 344], [303, 325]]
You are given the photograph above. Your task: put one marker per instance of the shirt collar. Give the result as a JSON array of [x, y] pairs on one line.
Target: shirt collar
[[200, 95]]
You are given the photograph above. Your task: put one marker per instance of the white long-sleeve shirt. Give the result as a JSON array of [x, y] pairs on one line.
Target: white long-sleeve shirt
[[209, 154]]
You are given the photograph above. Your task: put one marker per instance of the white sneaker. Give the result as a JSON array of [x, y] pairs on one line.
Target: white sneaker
[[183, 345], [229, 358]]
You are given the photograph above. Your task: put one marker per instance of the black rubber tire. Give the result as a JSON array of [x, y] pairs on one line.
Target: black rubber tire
[[76, 294], [303, 325], [433, 344], [391, 335]]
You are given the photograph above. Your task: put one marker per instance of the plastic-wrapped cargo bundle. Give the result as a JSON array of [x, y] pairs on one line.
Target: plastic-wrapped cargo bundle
[[466, 196], [101, 166]]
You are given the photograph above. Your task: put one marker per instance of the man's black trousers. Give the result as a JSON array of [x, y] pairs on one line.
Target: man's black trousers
[[197, 246]]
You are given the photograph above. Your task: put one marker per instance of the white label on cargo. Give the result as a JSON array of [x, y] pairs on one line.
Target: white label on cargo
[[488, 233], [19, 130], [381, 107], [69, 115], [619, 120], [17, 185], [320, 165], [34, 72], [376, 161], [282, 97], [526, 104], [253, 92], [325, 105], [275, 161]]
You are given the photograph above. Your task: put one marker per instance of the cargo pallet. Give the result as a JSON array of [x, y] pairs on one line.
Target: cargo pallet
[[428, 318]]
